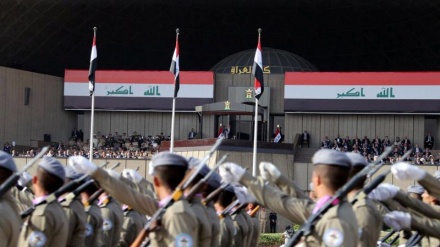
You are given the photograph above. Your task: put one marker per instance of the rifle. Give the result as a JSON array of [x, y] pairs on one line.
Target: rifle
[[72, 195], [254, 211], [175, 196], [97, 193], [228, 209], [382, 240], [202, 181], [213, 194], [307, 228], [12, 180], [414, 239], [59, 192], [373, 184], [239, 208]]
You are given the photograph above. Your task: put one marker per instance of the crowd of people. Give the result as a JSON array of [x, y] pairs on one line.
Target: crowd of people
[[371, 149]]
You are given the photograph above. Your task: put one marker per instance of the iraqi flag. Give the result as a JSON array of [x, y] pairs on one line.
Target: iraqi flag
[[92, 69], [257, 71], [175, 68]]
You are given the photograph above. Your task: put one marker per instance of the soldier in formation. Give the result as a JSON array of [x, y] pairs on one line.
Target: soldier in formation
[[224, 211]]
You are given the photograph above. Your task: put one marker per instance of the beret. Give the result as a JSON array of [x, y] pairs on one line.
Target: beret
[[214, 180], [357, 160], [168, 159], [229, 188], [7, 162], [415, 189], [331, 157], [53, 166], [71, 174]]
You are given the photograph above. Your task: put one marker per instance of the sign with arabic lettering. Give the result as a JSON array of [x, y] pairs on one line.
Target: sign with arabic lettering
[[247, 70], [138, 90], [362, 91]]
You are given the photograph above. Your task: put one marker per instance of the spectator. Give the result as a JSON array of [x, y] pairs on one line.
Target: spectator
[[386, 142], [81, 135], [227, 131], [74, 134], [429, 141], [304, 139], [192, 134], [356, 140], [406, 142], [338, 140], [273, 222], [326, 143], [288, 234], [7, 148], [417, 150]]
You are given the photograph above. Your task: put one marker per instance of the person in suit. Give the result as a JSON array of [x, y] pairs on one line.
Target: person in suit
[[192, 134], [338, 140], [429, 141], [273, 222], [305, 139]]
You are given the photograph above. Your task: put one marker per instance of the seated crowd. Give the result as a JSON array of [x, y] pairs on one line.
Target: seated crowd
[[135, 146], [372, 149]]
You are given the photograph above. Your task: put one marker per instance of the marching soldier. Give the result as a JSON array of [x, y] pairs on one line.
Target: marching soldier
[[205, 229], [338, 226], [94, 219], [253, 209], [75, 213], [227, 229], [368, 217], [178, 224], [46, 226], [212, 184], [240, 223], [10, 220], [112, 216], [21, 193]]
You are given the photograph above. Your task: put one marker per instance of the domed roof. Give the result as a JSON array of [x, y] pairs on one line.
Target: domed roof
[[279, 61]]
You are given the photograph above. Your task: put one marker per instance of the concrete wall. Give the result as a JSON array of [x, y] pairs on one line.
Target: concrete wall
[[321, 125], [43, 115], [147, 123]]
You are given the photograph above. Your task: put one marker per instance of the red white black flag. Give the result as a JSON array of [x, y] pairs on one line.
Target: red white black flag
[[257, 71], [175, 66], [92, 69]]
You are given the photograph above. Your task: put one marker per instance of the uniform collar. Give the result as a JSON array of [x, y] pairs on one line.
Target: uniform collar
[[322, 201], [39, 199], [163, 201]]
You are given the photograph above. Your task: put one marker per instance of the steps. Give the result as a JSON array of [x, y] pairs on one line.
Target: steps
[[304, 155]]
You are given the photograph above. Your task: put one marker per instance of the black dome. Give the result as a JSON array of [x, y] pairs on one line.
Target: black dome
[[279, 61]]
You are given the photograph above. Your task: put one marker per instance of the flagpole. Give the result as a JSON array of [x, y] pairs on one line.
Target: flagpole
[[174, 107], [92, 118], [254, 154], [92, 112]]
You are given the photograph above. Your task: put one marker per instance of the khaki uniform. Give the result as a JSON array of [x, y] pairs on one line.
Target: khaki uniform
[[427, 227], [430, 211], [10, 221], [113, 218], [227, 231], [215, 224], [205, 230], [369, 220], [241, 230], [290, 188], [130, 228], [256, 231], [178, 225], [262, 216], [46, 226], [431, 184], [337, 226], [23, 199], [250, 227], [77, 218], [93, 226], [146, 188]]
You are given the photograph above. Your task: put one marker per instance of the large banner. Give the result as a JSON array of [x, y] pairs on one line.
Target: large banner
[[137, 90], [369, 92]]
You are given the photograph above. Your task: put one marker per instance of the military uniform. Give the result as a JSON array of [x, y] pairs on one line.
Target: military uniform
[[431, 184], [241, 230], [262, 216], [255, 231], [215, 224], [77, 222], [248, 220], [131, 227], [227, 231], [46, 226], [93, 226], [205, 229], [10, 220], [113, 217], [337, 227], [23, 199], [178, 224]]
